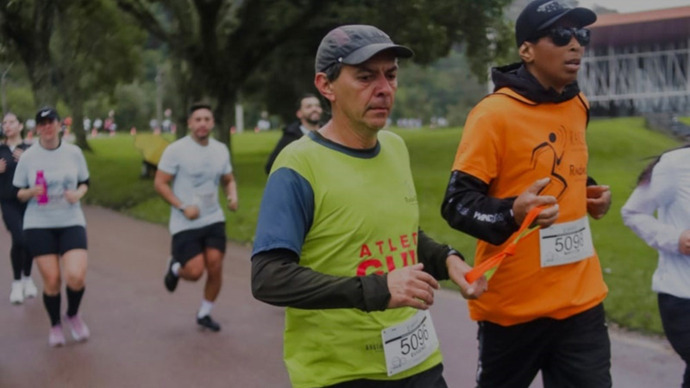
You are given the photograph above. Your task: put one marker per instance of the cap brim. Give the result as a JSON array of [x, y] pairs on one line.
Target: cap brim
[[363, 54], [582, 16]]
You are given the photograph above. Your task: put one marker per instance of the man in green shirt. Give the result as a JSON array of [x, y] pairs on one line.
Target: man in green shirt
[[338, 239]]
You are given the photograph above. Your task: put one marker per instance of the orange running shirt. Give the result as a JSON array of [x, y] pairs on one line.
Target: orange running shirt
[[509, 142]]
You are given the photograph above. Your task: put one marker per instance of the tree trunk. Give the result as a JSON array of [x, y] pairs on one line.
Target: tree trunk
[[42, 86], [77, 105], [225, 115]]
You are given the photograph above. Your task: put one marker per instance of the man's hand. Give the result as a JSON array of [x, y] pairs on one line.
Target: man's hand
[[191, 212], [598, 201], [3, 165], [684, 242], [232, 203], [530, 198], [411, 287], [457, 269]]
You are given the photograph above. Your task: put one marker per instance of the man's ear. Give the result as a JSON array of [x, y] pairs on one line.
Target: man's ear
[[526, 52], [324, 86]]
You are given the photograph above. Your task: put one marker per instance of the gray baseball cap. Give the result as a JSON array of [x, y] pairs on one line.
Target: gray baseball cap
[[353, 45]]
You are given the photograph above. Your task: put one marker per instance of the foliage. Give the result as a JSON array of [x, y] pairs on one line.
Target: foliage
[[264, 49], [619, 149], [445, 88], [21, 102], [26, 28], [71, 48], [93, 50]]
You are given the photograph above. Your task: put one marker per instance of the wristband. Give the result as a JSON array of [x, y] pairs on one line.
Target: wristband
[[452, 251], [181, 207]]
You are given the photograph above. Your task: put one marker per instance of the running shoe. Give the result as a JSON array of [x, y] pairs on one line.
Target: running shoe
[[79, 330], [56, 337], [30, 290], [170, 279], [17, 292], [208, 323]]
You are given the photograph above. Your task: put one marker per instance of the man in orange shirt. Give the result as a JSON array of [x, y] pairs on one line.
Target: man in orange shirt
[[524, 146]]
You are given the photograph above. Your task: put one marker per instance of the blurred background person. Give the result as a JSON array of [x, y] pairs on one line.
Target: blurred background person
[[11, 150]]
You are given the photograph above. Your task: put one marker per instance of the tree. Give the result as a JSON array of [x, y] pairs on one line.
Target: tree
[[222, 43], [28, 26], [70, 48], [93, 49]]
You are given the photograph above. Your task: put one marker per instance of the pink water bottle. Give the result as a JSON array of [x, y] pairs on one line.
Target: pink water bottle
[[41, 181]]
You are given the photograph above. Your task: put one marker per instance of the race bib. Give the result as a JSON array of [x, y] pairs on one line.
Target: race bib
[[565, 243], [409, 343]]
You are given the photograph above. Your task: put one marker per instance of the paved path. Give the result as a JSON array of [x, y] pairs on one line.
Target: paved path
[[144, 337]]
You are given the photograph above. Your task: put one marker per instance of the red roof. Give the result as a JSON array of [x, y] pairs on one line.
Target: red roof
[[642, 28]]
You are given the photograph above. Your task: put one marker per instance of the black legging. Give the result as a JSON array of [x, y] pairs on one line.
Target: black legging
[[675, 317], [13, 216]]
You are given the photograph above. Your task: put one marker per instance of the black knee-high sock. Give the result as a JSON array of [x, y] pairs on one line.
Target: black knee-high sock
[[73, 301], [28, 262], [17, 261], [52, 304]]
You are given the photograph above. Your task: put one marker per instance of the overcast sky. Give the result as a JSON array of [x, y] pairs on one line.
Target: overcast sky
[[624, 6]]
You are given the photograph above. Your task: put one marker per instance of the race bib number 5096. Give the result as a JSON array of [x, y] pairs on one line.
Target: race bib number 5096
[[410, 343]]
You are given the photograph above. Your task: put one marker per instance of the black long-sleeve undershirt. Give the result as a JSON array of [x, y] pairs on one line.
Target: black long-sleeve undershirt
[[278, 279]]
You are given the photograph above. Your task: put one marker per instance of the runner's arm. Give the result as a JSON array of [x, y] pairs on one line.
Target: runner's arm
[[638, 213], [468, 208], [162, 185], [230, 189], [278, 279]]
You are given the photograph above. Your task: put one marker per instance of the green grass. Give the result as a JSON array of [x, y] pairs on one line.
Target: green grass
[[618, 151]]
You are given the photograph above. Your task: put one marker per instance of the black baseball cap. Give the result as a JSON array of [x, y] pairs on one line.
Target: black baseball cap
[[355, 44], [541, 14], [47, 113]]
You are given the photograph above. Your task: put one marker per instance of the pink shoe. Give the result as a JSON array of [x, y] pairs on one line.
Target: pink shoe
[[56, 337], [79, 330]]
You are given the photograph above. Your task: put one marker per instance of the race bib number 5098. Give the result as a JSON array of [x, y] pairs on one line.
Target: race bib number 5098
[[566, 243]]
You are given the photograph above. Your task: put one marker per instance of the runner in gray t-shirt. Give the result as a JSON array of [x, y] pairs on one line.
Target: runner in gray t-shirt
[[54, 224], [196, 165]]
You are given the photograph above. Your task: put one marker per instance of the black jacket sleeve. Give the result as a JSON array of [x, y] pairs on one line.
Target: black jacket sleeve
[[278, 279], [468, 208]]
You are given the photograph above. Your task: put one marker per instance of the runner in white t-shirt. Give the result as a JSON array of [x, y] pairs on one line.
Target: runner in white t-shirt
[[54, 224], [188, 176]]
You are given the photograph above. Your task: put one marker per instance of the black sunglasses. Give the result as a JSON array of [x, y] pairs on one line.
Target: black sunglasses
[[561, 36]]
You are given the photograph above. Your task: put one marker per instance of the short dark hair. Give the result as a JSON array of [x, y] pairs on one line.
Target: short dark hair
[[303, 97], [333, 71], [199, 105]]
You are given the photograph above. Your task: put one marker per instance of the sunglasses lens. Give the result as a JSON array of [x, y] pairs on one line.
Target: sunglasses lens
[[582, 35], [561, 36]]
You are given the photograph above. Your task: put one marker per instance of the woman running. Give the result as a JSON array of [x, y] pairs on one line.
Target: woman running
[[664, 188], [13, 209], [52, 176]]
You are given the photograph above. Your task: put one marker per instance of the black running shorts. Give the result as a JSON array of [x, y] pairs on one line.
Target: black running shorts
[[55, 241], [189, 243]]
